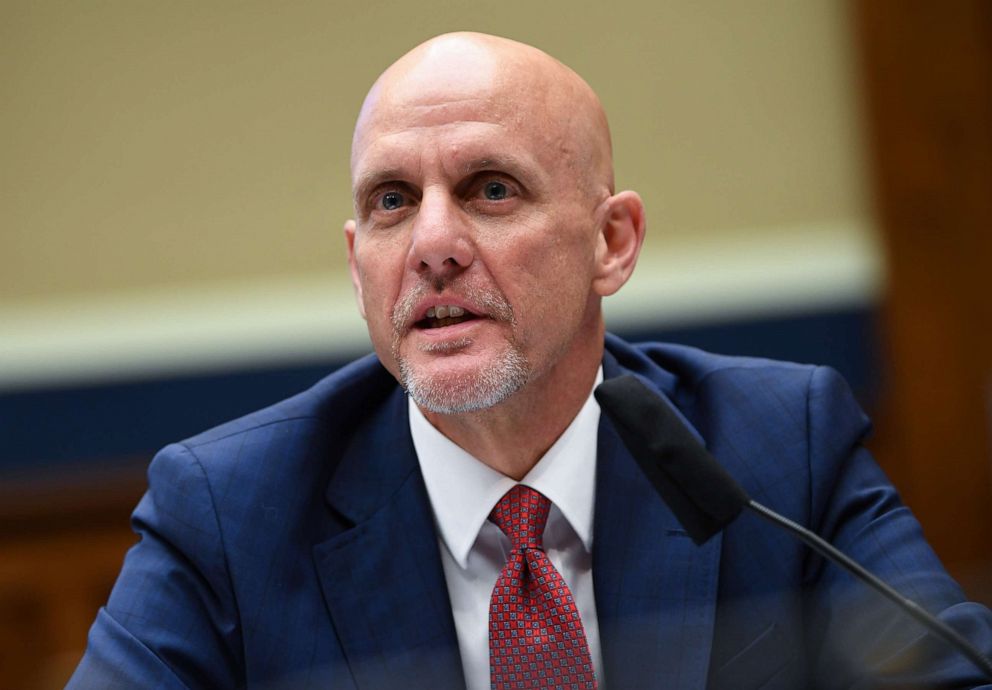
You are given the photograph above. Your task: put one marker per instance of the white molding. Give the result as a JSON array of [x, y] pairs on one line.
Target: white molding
[[216, 327], [748, 274]]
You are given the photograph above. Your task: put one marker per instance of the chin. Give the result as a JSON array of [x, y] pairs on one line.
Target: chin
[[451, 392]]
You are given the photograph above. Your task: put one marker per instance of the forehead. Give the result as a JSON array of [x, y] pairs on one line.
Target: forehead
[[450, 96], [451, 134], [453, 143]]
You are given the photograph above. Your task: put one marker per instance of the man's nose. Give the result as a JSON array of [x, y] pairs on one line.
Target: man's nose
[[441, 241]]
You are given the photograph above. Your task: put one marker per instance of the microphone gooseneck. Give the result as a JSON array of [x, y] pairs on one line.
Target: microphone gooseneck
[[705, 498]]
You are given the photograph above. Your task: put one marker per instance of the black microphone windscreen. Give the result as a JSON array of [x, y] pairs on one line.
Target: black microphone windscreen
[[701, 494]]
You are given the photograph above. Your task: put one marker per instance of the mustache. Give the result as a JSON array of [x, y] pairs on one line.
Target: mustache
[[491, 301]]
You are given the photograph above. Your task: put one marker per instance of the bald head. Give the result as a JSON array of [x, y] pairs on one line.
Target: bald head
[[522, 86], [486, 229]]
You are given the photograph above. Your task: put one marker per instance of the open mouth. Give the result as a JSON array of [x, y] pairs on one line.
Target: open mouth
[[444, 315]]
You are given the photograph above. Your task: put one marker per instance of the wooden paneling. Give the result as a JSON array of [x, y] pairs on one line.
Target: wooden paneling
[[61, 547], [927, 71]]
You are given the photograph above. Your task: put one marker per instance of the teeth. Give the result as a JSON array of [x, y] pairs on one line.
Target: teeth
[[444, 311]]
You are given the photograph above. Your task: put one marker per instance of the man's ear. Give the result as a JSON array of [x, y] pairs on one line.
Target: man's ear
[[619, 243], [349, 237]]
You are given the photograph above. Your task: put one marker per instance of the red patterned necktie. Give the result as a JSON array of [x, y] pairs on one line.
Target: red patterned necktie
[[536, 639]]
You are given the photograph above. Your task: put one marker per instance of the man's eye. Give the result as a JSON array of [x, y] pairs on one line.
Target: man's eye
[[495, 191], [391, 201]]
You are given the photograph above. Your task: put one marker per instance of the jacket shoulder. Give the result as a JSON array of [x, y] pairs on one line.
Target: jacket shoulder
[[690, 369], [336, 400], [750, 400]]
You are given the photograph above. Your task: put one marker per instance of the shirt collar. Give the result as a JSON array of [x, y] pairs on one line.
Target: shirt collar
[[463, 490]]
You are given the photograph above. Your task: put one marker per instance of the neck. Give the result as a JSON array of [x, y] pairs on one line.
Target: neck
[[513, 436]]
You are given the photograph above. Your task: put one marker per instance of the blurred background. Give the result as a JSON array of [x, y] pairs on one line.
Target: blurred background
[[174, 177]]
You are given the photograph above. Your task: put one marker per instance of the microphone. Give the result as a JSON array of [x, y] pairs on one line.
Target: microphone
[[705, 498]]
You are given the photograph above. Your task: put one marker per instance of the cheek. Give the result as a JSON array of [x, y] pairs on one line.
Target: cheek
[[380, 269], [550, 271], [559, 252], [378, 278]]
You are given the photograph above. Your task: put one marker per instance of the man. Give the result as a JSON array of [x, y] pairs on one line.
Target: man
[[340, 539]]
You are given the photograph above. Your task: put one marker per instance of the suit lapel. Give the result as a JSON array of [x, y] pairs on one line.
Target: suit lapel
[[655, 589], [382, 578], [383, 583]]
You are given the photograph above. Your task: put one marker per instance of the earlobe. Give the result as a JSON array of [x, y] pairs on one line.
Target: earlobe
[[349, 237], [620, 240]]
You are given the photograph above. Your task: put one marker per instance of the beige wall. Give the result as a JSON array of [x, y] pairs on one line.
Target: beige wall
[[173, 147]]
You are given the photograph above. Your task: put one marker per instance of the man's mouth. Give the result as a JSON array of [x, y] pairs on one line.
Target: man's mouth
[[444, 315]]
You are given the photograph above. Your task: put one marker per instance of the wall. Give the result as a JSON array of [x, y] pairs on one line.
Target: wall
[[176, 174], [174, 177]]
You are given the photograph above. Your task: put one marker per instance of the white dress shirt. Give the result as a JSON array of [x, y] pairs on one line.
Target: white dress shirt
[[463, 491]]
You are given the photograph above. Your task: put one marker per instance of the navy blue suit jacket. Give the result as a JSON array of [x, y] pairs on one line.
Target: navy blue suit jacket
[[295, 548]]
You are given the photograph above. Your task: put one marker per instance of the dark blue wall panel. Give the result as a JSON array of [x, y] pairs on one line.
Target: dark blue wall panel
[[49, 428]]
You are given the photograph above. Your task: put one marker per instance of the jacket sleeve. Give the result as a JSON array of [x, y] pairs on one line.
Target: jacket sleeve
[[859, 638], [171, 620]]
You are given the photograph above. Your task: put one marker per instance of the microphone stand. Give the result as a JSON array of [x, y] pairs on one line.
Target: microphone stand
[[822, 547]]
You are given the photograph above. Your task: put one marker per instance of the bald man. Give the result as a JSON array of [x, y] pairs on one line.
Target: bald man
[[453, 511]]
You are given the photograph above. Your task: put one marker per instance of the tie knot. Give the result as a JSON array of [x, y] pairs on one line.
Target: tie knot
[[522, 514]]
